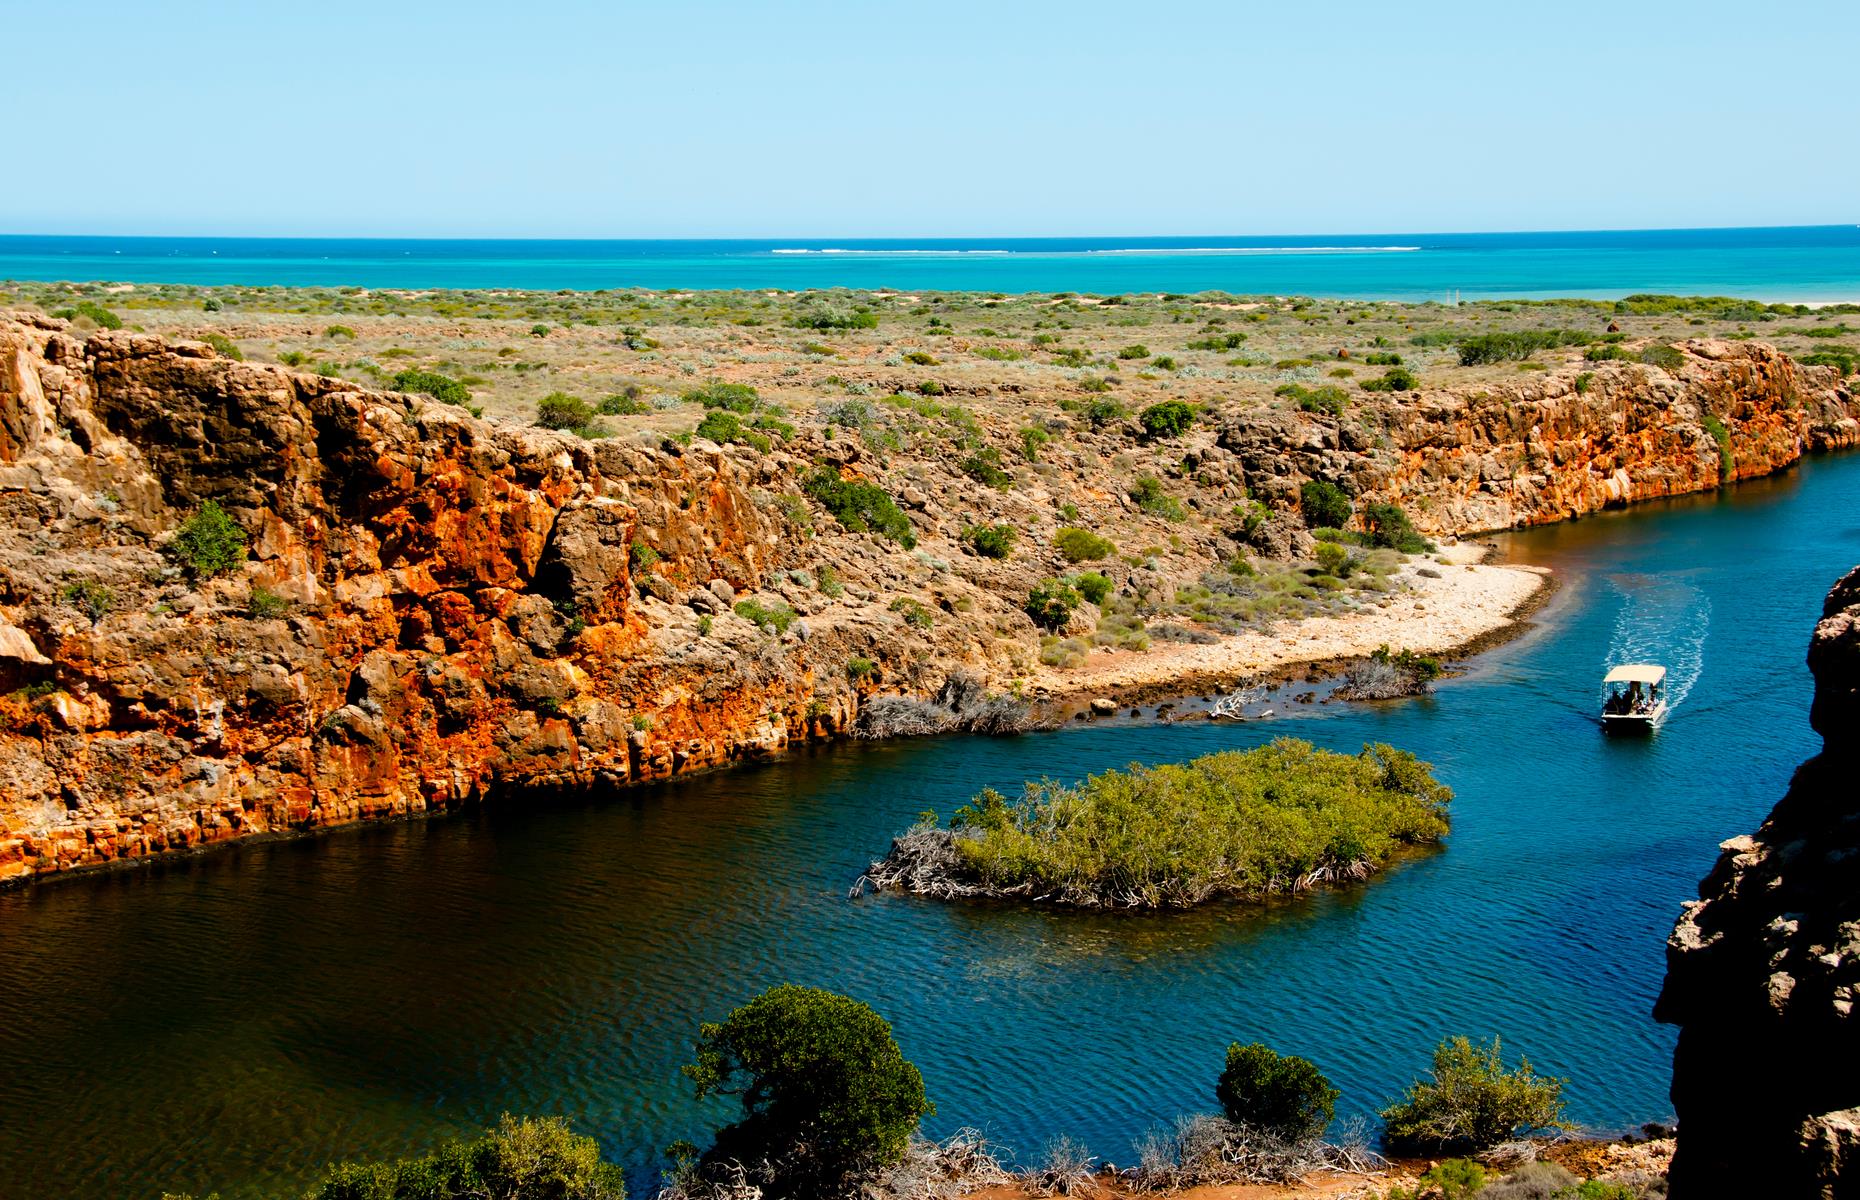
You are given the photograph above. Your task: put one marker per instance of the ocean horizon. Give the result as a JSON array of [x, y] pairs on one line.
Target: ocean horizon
[[1794, 264]]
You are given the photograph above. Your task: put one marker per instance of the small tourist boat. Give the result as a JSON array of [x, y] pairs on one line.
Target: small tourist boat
[[1635, 702]]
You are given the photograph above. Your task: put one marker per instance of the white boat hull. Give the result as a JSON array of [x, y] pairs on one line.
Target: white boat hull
[[1640, 722]]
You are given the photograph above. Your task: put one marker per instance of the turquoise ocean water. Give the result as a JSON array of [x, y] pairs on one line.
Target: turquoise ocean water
[[1816, 263]]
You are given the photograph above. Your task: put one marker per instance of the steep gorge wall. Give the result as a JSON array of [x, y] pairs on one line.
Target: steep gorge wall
[[1763, 970], [470, 606], [1562, 445], [463, 606]]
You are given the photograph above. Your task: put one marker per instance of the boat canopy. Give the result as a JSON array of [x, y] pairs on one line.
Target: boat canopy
[[1636, 673]]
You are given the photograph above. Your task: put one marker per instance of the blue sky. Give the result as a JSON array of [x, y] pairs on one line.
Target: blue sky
[[707, 118]]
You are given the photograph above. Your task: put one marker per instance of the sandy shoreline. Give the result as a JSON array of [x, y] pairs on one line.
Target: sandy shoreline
[[1468, 604]]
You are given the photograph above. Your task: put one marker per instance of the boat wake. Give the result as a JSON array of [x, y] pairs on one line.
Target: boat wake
[[1664, 620]]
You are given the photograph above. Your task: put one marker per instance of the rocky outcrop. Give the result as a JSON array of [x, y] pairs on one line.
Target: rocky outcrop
[[1561, 445], [433, 606], [1763, 971], [436, 607]]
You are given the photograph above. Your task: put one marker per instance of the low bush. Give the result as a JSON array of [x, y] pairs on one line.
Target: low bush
[[1283, 1095], [914, 613], [1328, 400], [1454, 1179], [97, 313], [1471, 1102], [208, 543], [1667, 358], [1134, 352], [1515, 345], [625, 404], [1397, 379], [824, 1088], [89, 597], [1324, 504], [225, 347], [990, 541], [266, 605], [733, 397], [1388, 525], [1170, 418], [984, 466], [777, 615], [442, 388], [561, 411], [521, 1159], [1727, 459], [1082, 545], [1031, 439], [1332, 559], [339, 331], [1150, 496], [859, 506], [1092, 585], [836, 318], [1050, 604]]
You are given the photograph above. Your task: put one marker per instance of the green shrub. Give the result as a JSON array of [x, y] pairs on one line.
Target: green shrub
[[916, 613], [1031, 439], [723, 427], [812, 1068], [1388, 525], [1328, 399], [1840, 357], [339, 331], [984, 466], [1514, 345], [1150, 496], [1407, 661], [1082, 545], [559, 410], [625, 404], [1455, 1179], [1132, 353], [224, 346], [104, 318], [1397, 379], [1471, 1102], [835, 318], [1283, 1095], [858, 668], [210, 304], [209, 543], [1218, 341], [734, 397], [778, 615], [829, 583], [265, 604], [920, 358], [89, 597], [1667, 358], [1584, 381], [431, 383], [1606, 354], [1170, 418], [1239, 823], [1727, 459], [1324, 504], [521, 1159], [990, 541], [1332, 559], [1092, 585], [642, 555], [1050, 604], [859, 506], [1382, 359]]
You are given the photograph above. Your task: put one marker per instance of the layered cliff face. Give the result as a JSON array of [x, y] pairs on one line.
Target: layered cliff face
[[1763, 970], [1562, 445], [436, 607]]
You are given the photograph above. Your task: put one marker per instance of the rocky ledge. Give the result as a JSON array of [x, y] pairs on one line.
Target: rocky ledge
[[1763, 970]]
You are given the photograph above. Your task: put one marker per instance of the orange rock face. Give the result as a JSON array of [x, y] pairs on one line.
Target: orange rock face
[[435, 608]]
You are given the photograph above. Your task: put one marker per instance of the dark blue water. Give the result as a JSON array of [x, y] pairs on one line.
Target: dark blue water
[[234, 1021], [1797, 264]]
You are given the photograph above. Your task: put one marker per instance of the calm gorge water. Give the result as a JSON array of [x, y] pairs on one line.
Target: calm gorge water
[[234, 1021]]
